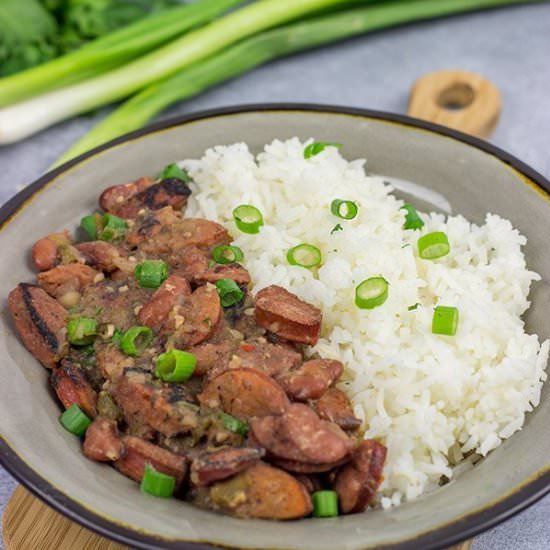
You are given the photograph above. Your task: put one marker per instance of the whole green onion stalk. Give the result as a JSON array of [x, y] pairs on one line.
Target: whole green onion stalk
[[24, 119], [259, 49], [111, 50]]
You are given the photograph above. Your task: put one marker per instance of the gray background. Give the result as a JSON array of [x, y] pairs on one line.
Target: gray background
[[510, 46]]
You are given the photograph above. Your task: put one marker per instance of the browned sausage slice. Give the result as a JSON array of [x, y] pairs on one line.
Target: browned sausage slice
[[300, 435], [304, 468], [102, 442], [128, 199], [161, 303], [63, 280], [197, 318], [334, 406], [105, 256], [262, 491], [137, 453], [356, 483], [115, 198], [210, 467], [283, 313], [311, 380], [245, 393], [72, 388], [52, 250], [41, 323], [272, 359]]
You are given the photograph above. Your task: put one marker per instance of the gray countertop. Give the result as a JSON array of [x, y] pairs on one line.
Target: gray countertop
[[510, 46]]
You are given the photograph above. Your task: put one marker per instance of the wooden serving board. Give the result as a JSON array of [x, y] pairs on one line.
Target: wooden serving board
[[31, 525]]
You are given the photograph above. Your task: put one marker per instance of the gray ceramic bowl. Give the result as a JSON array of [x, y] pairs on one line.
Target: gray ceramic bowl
[[472, 175]]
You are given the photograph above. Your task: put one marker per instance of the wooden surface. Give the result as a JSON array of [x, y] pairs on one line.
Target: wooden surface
[[31, 525], [458, 99]]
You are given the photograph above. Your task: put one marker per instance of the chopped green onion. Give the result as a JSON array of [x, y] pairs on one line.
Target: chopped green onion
[[117, 337], [135, 340], [81, 331], [224, 254], [347, 210], [151, 273], [412, 218], [337, 227], [74, 420], [156, 483], [113, 228], [234, 424], [445, 320], [229, 291], [371, 293], [304, 255], [90, 225], [413, 307], [248, 218], [433, 245], [317, 147], [175, 365], [174, 171], [325, 504]]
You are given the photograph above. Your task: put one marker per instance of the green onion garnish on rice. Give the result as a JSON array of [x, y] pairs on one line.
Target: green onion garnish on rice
[[371, 293], [304, 255], [347, 210], [445, 320], [433, 245], [248, 218]]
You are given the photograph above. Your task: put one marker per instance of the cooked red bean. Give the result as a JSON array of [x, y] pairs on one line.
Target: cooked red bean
[[214, 466], [106, 256], [72, 387], [311, 380], [312, 483], [300, 435], [137, 453], [161, 303], [245, 393], [296, 467], [41, 323], [357, 482], [334, 406], [262, 491], [61, 280], [102, 441], [197, 318], [283, 313]]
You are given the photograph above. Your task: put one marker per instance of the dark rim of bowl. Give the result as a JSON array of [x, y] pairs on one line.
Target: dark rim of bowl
[[439, 538]]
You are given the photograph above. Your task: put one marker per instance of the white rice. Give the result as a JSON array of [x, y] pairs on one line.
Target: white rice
[[430, 399]]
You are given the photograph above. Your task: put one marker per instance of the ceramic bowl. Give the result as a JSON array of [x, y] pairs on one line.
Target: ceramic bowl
[[473, 176]]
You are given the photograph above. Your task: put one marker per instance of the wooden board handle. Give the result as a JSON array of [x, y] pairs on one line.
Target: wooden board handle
[[458, 99]]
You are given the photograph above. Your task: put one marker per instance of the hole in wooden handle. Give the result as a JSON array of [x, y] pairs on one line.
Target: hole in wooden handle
[[456, 96]]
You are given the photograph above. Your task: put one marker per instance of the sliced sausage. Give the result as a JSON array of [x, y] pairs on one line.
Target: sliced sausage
[[102, 441], [304, 468], [41, 323], [114, 199], [283, 313], [105, 256], [137, 453], [128, 199], [197, 318], [166, 409], [72, 387], [262, 491], [53, 250], [210, 467], [271, 359], [161, 303], [245, 393], [311, 380], [334, 406], [300, 435], [312, 483], [65, 282], [196, 265], [357, 482], [182, 233]]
